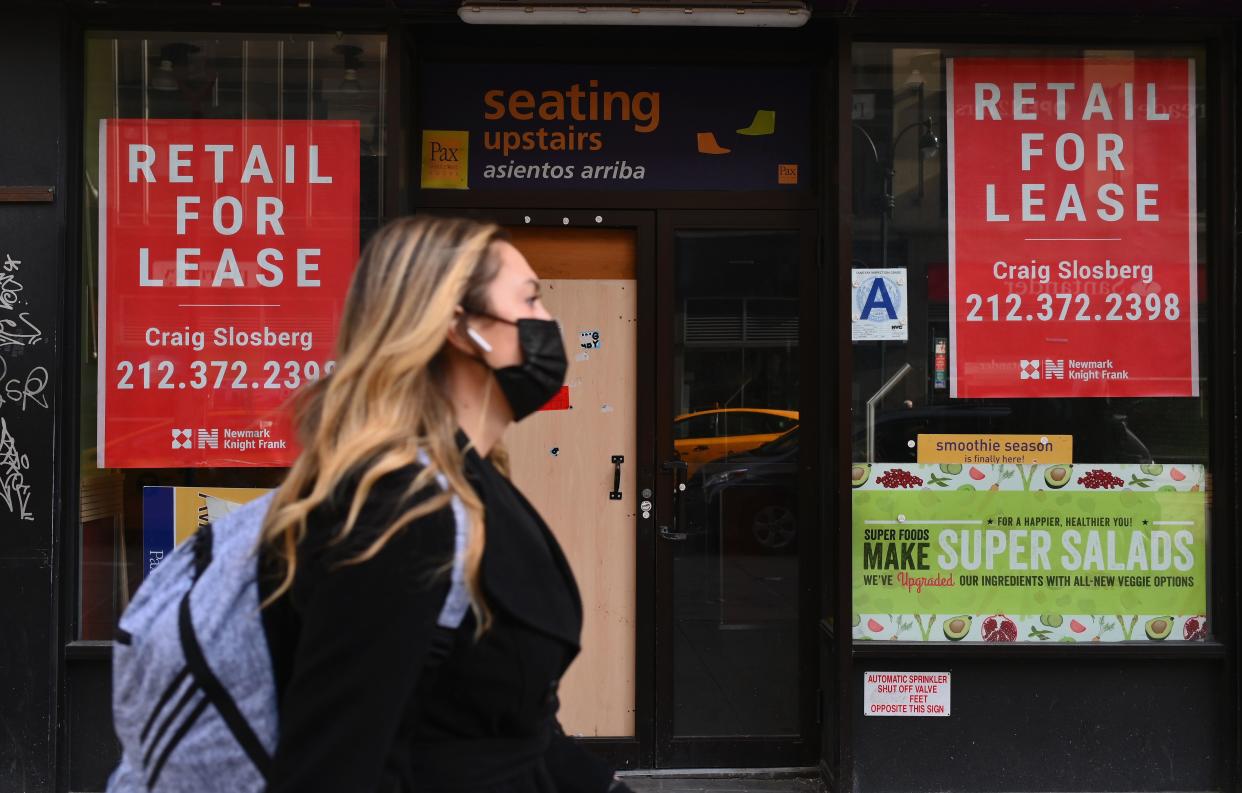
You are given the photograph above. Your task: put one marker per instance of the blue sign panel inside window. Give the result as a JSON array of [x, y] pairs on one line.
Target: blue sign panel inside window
[[490, 127]]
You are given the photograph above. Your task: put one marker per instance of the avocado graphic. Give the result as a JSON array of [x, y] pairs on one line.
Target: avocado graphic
[[1159, 627], [1051, 620], [1167, 489], [950, 468], [1057, 476], [859, 474], [956, 628], [966, 487], [857, 620], [1152, 469]]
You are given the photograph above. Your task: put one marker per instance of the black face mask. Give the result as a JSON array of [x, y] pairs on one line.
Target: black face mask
[[531, 384]]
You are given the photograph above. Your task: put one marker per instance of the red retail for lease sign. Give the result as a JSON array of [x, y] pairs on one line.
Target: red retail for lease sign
[[226, 249], [1072, 227]]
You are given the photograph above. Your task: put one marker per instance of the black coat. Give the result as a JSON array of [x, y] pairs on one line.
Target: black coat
[[362, 708]]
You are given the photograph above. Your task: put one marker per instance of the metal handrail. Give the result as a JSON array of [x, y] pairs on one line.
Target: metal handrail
[[889, 385]]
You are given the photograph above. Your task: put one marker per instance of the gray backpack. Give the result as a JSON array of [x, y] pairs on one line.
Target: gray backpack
[[193, 692]]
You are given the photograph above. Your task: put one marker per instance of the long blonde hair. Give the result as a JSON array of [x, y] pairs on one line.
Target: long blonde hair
[[384, 406]]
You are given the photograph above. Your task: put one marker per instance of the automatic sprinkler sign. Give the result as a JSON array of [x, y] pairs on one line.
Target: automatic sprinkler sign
[[1072, 228], [907, 693], [226, 249]]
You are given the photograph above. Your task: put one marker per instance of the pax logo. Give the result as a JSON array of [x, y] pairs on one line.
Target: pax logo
[[446, 159], [1029, 370], [442, 153], [787, 174]]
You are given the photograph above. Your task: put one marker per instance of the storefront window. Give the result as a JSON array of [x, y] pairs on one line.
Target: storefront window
[[1030, 344], [294, 204]]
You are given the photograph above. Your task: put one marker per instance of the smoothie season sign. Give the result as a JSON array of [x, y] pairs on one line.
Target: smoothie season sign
[[611, 128], [226, 249], [1072, 227]]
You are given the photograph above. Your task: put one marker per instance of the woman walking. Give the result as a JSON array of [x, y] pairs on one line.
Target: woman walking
[[408, 655]]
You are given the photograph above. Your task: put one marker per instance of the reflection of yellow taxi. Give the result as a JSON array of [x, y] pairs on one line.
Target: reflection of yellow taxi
[[710, 434]]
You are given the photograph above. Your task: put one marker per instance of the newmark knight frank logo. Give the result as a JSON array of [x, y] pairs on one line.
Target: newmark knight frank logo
[[446, 159], [209, 439], [1030, 369], [182, 439]]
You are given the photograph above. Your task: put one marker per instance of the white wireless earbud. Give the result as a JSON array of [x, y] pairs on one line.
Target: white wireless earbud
[[479, 340]]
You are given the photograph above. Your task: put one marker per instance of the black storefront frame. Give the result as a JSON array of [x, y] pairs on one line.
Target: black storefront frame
[[85, 748], [1219, 44], [88, 662], [462, 45], [686, 751], [90, 659]]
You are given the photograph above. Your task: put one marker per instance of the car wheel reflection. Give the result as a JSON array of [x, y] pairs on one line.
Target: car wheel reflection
[[747, 502], [774, 527]]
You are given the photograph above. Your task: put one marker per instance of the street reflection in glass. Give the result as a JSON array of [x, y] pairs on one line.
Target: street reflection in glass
[[736, 428]]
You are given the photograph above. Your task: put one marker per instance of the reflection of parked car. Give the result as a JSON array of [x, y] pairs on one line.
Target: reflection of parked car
[[711, 434], [749, 500]]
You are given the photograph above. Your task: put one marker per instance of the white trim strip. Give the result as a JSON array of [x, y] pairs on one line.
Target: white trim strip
[[1192, 307], [101, 391], [923, 522], [953, 365]]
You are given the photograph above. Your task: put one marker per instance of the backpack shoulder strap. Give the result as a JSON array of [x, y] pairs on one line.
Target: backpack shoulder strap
[[457, 601]]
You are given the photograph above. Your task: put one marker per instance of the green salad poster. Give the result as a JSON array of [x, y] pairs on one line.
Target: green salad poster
[[1037, 553]]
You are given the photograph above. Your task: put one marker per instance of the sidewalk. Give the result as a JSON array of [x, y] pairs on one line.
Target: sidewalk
[[705, 784]]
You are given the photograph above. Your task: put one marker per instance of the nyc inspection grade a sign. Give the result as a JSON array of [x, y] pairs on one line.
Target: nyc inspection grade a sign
[[1072, 227], [226, 249], [906, 693]]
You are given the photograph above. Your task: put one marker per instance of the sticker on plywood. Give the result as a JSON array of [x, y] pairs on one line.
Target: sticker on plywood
[[560, 401]]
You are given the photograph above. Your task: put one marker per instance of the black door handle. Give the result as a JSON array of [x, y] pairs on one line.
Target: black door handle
[[615, 495], [679, 469], [675, 466]]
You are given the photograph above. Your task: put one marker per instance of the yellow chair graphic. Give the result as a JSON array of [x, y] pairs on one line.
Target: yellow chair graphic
[[764, 123]]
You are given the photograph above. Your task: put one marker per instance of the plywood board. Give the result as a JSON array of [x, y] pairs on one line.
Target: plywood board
[[562, 461], [560, 254]]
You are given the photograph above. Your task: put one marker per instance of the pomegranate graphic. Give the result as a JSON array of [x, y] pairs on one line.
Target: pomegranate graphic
[[999, 628], [899, 477], [1098, 478], [1195, 629]]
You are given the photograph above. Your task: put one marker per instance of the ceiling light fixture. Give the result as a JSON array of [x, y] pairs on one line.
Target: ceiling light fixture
[[775, 14], [164, 79]]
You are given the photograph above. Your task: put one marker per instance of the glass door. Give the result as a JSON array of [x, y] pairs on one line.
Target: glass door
[[733, 687]]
